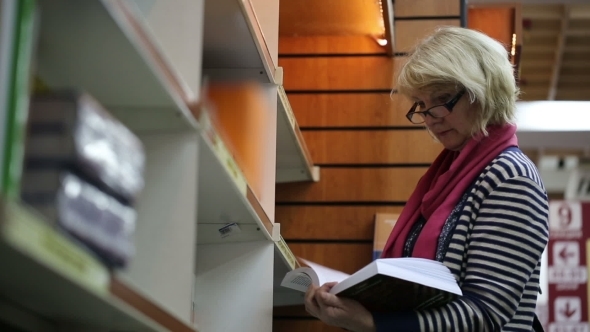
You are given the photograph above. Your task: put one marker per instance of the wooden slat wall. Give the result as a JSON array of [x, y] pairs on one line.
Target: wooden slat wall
[[370, 156], [340, 73], [350, 109]]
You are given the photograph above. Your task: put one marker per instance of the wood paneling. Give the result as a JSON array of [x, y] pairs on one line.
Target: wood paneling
[[345, 257], [291, 311], [350, 109], [347, 44], [299, 325], [340, 73], [496, 22], [371, 146], [330, 17], [409, 33], [387, 184], [330, 222], [414, 8]]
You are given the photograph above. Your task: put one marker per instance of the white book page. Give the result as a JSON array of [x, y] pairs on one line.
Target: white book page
[[419, 277], [424, 266], [326, 274], [299, 279]]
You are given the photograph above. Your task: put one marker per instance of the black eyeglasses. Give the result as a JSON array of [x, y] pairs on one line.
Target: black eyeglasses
[[438, 111]]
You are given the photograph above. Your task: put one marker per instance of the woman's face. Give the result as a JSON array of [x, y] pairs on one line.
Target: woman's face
[[453, 130]]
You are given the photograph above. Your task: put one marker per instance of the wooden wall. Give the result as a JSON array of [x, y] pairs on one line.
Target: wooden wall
[[340, 89]]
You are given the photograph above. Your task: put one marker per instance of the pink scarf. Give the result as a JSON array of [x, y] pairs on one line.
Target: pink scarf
[[440, 189]]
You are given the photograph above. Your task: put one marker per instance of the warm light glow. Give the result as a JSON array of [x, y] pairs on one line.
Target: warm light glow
[[381, 18], [382, 41], [513, 50]]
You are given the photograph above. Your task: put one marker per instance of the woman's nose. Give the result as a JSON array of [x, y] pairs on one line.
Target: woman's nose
[[429, 120]]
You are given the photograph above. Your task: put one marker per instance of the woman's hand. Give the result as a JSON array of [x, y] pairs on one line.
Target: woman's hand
[[336, 311]]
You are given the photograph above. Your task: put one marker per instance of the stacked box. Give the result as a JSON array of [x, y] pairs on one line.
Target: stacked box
[[84, 171]]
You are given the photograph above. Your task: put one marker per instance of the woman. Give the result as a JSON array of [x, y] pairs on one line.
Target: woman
[[481, 208]]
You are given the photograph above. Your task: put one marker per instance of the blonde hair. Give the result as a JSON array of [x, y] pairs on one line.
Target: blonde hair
[[463, 58]]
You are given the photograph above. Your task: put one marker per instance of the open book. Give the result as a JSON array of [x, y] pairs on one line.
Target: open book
[[385, 285]]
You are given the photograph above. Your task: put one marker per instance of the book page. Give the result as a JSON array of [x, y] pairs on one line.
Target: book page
[[325, 274], [299, 279]]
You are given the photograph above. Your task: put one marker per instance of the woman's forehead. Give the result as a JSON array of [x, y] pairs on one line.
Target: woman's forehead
[[427, 94]]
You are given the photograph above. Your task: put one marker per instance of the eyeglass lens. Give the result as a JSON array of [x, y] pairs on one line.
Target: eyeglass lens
[[437, 112]]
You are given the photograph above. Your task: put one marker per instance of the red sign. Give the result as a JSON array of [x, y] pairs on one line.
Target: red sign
[[567, 273]]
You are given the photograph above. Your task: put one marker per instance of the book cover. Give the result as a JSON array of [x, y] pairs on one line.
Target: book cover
[[384, 285], [384, 223], [15, 117], [70, 128]]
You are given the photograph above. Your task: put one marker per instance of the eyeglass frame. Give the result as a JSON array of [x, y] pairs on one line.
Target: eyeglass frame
[[449, 105]]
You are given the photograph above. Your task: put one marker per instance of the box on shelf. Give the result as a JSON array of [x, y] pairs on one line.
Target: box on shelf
[[384, 223], [241, 114], [91, 216], [71, 129], [83, 171]]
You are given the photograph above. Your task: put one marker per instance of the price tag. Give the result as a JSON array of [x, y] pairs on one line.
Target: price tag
[[223, 154], [287, 253], [287, 108], [229, 229]]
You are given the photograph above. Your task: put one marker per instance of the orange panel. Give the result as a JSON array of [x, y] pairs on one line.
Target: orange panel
[[350, 109], [340, 73], [369, 184], [371, 146], [240, 113], [414, 8], [409, 33], [340, 44], [329, 17], [330, 222]]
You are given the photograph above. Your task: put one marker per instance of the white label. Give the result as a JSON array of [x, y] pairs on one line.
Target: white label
[[229, 229], [568, 309], [565, 219], [568, 327], [567, 275], [566, 253]]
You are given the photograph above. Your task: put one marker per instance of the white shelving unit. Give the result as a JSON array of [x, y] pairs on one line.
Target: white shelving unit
[[235, 44], [142, 61], [236, 49]]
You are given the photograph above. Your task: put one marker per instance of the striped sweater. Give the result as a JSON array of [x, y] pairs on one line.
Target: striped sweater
[[494, 252]]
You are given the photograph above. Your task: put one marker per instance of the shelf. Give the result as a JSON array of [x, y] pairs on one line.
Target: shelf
[[224, 196], [234, 46], [104, 48], [51, 276], [293, 160]]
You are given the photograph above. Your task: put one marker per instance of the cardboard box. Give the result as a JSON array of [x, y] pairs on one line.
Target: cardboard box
[[384, 223]]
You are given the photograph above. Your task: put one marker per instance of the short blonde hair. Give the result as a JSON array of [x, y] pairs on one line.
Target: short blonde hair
[[468, 59]]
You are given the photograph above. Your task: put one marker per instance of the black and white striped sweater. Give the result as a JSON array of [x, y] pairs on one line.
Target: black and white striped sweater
[[494, 252]]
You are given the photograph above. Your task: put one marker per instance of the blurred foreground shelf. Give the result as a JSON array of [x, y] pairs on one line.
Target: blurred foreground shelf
[[105, 48], [49, 275]]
